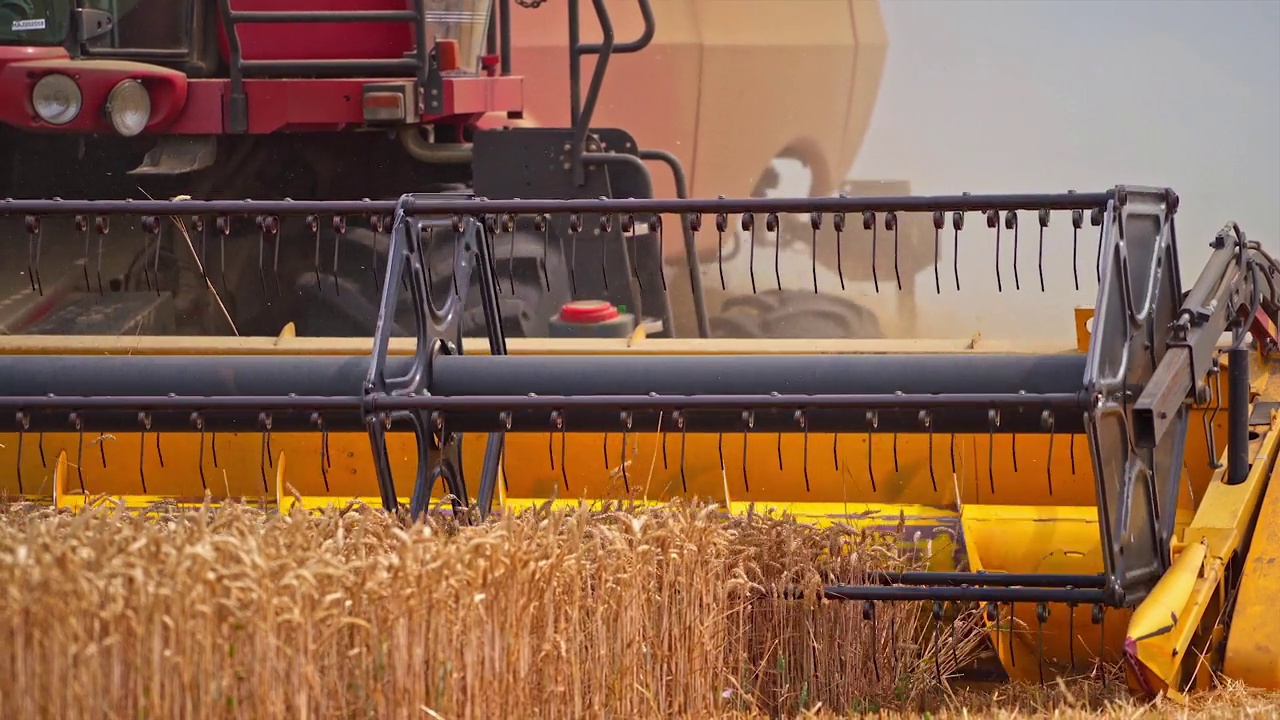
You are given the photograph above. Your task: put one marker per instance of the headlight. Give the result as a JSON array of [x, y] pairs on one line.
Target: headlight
[[129, 107], [56, 99]]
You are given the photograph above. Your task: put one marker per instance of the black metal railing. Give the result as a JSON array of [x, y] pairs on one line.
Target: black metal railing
[[417, 64]]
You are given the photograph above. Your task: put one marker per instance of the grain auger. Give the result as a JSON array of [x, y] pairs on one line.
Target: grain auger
[[1110, 501]]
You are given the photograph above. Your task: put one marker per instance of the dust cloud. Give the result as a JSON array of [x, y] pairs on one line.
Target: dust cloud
[[1047, 96]]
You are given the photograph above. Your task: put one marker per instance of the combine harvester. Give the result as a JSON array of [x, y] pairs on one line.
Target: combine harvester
[[1114, 500]]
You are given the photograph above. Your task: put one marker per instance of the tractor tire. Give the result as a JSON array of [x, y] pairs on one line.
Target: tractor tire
[[794, 314], [525, 304]]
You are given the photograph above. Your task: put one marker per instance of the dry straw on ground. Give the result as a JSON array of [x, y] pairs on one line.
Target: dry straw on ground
[[584, 613]]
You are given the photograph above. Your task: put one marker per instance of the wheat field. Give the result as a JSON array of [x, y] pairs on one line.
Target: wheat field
[[598, 612]]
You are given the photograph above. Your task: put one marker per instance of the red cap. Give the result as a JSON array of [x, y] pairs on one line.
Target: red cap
[[583, 312]]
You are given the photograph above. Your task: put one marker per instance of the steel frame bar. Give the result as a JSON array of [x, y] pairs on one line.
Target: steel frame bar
[[955, 393], [423, 205], [945, 593], [989, 579]]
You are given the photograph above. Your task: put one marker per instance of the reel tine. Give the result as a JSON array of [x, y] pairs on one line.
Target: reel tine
[[680, 423], [151, 227], [606, 227], [937, 640], [1095, 219], [993, 221], [557, 420], [891, 224], [318, 420], [749, 224], [102, 224], [575, 227], [629, 227], [803, 421], [893, 645], [213, 447], [79, 426], [1099, 617], [992, 612], [155, 268], [838, 222], [541, 222], [869, 223], [993, 422], [747, 421], [953, 454], [939, 221], [339, 232], [1042, 617], [551, 443], [1047, 421], [24, 424], [779, 451], [720, 450], [626, 429], [264, 419], [313, 224], [1013, 658], [955, 642], [873, 421], [378, 222], [1071, 634], [274, 223], [604, 451], [1077, 222], [722, 223], [957, 224], [490, 225], [262, 247], [506, 428], [664, 445], [198, 225], [655, 225], [35, 242], [896, 467], [835, 451], [145, 420], [223, 223], [926, 423], [1071, 449], [815, 222], [869, 615], [82, 227], [159, 452], [1013, 446], [777, 252], [1011, 223], [197, 420], [508, 223], [1044, 224]]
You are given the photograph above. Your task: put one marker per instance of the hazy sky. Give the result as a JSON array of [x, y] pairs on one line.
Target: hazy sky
[[1043, 95]]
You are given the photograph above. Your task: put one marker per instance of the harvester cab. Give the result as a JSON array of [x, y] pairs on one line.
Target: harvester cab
[[222, 99]]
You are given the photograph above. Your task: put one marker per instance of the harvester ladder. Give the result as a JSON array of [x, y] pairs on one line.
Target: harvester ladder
[[419, 63]]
